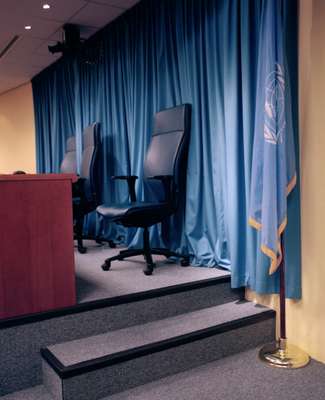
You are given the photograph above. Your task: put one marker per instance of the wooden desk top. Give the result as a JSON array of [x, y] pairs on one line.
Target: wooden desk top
[[38, 177]]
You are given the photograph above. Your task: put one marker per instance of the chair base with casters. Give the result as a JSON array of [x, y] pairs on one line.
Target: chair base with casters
[[99, 240], [80, 237], [147, 252]]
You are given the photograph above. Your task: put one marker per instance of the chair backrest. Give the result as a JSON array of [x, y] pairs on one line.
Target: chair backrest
[[69, 162], [167, 152], [90, 162]]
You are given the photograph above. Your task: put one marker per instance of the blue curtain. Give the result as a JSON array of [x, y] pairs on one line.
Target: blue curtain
[[54, 115], [157, 55]]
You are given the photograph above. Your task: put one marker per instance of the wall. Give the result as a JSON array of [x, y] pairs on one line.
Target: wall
[[306, 318], [17, 130]]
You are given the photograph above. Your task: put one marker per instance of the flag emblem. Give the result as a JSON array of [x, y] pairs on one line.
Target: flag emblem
[[274, 123]]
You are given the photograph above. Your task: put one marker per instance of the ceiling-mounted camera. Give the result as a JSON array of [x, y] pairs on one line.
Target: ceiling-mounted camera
[[71, 42]]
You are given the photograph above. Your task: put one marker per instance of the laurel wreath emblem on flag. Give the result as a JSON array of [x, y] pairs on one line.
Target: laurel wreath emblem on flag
[[274, 123]]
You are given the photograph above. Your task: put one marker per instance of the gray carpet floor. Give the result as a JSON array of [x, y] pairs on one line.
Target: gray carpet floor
[[239, 377], [35, 393], [126, 277]]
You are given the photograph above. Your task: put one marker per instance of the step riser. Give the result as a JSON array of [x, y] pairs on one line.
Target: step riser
[[20, 345], [103, 382]]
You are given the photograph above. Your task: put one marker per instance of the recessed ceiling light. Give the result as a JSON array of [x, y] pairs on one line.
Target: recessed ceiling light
[[28, 27], [46, 6]]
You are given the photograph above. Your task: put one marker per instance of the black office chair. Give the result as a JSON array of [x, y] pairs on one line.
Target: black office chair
[[69, 166], [86, 191], [165, 162]]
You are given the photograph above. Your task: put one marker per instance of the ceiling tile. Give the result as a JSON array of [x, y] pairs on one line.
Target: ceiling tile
[[96, 15], [5, 38], [41, 60], [26, 52], [17, 71], [117, 3], [15, 26], [23, 47], [61, 10]]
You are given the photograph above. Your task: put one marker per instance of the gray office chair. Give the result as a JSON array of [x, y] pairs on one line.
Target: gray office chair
[[165, 163], [69, 162]]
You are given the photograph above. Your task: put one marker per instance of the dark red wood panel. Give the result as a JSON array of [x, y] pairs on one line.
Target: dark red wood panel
[[36, 244]]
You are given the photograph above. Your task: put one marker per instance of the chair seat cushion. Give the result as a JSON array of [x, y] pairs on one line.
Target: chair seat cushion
[[135, 214]]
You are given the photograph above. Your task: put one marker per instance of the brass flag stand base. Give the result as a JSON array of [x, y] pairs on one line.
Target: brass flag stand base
[[283, 355]]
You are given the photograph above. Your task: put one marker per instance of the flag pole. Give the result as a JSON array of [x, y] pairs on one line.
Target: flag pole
[[280, 353], [283, 333]]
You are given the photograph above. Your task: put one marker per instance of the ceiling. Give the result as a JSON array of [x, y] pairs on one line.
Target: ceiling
[[29, 54]]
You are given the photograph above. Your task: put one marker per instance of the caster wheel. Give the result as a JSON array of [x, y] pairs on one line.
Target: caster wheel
[[149, 269], [106, 266], [185, 261], [82, 250], [111, 244], [98, 241]]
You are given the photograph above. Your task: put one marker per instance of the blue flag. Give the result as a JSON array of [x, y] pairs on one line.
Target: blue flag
[[273, 168]]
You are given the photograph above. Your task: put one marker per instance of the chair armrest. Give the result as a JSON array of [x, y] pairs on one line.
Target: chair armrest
[[161, 177], [131, 184], [167, 181], [124, 177]]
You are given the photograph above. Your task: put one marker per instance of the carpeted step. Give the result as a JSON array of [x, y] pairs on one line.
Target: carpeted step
[[97, 366], [22, 338]]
